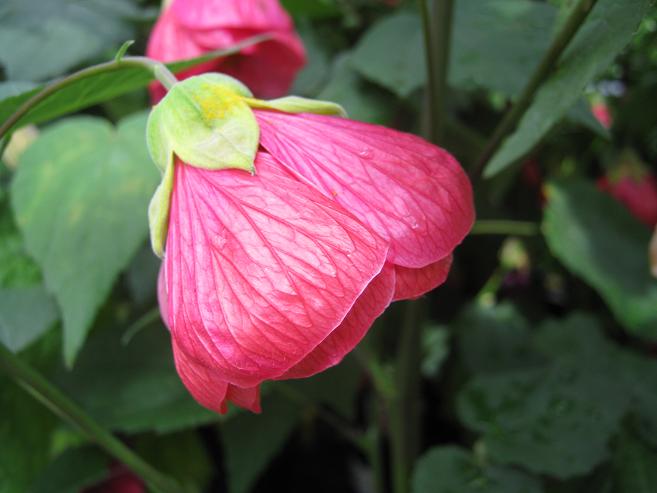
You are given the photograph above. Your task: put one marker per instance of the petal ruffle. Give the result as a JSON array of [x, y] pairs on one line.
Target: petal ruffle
[[412, 283], [260, 269], [209, 390], [374, 300], [411, 192]]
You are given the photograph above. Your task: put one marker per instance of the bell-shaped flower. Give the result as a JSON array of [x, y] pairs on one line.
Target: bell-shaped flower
[[191, 28], [287, 230]]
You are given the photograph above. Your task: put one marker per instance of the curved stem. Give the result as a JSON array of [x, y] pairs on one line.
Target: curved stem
[[159, 70], [545, 67], [505, 227], [60, 404]]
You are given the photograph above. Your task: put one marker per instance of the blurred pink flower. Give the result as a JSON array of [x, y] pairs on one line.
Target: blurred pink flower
[[637, 193], [601, 113], [190, 28], [121, 480], [280, 274]]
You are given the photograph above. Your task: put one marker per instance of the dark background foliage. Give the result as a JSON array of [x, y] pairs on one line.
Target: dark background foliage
[[539, 369]]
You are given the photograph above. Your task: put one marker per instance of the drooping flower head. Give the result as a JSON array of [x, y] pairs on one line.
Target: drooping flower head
[[190, 28], [286, 230]]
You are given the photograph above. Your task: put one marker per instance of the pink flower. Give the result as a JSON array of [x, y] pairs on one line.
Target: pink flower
[[601, 113], [280, 274], [190, 28], [637, 193], [121, 480]]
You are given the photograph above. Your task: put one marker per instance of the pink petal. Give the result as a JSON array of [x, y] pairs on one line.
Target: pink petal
[[205, 385], [209, 390], [407, 190], [260, 269], [247, 398], [353, 328], [168, 42], [268, 68], [265, 15], [162, 298], [412, 283]]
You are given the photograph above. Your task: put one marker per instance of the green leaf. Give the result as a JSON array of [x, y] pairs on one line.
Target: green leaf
[[435, 345], [608, 28], [556, 420], [98, 85], [454, 470], [25, 314], [72, 471], [132, 388], [362, 101], [336, 387], [42, 39], [599, 241], [26, 310], [17, 269], [182, 455], [316, 9], [251, 441], [391, 53], [80, 196], [494, 339], [496, 44], [635, 466], [311, 77]]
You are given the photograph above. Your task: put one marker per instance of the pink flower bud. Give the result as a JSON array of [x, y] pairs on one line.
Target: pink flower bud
[[190, 28]]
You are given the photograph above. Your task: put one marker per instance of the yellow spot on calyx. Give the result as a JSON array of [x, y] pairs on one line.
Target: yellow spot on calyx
[[216, 102]]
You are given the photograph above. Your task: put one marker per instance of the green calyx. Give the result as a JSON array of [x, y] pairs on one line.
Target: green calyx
[[208, 122], [205, 122]]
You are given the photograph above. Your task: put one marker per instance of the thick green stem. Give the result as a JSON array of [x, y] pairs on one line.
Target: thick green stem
[[437, 30], [544, 69], [404, 405], [505, 227], [159, 70], [65, 408]]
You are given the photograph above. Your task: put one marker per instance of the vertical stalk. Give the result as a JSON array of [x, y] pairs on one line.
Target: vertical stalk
[[437, 29], [404, 405], [66, 409], [511, 119]]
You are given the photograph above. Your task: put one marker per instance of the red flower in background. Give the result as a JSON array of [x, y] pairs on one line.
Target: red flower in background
[[601, 113], [637, 193], [121, 480], [190, 28], [280, 274]]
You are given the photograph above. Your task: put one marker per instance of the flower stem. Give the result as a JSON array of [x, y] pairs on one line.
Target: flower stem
[[403, 407], [53, 398], [544, 69], [505, 228], [437, 30], [159, 70]]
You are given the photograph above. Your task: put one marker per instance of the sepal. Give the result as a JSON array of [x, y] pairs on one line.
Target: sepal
[[206, 122], [158, 212], [297, 104]]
